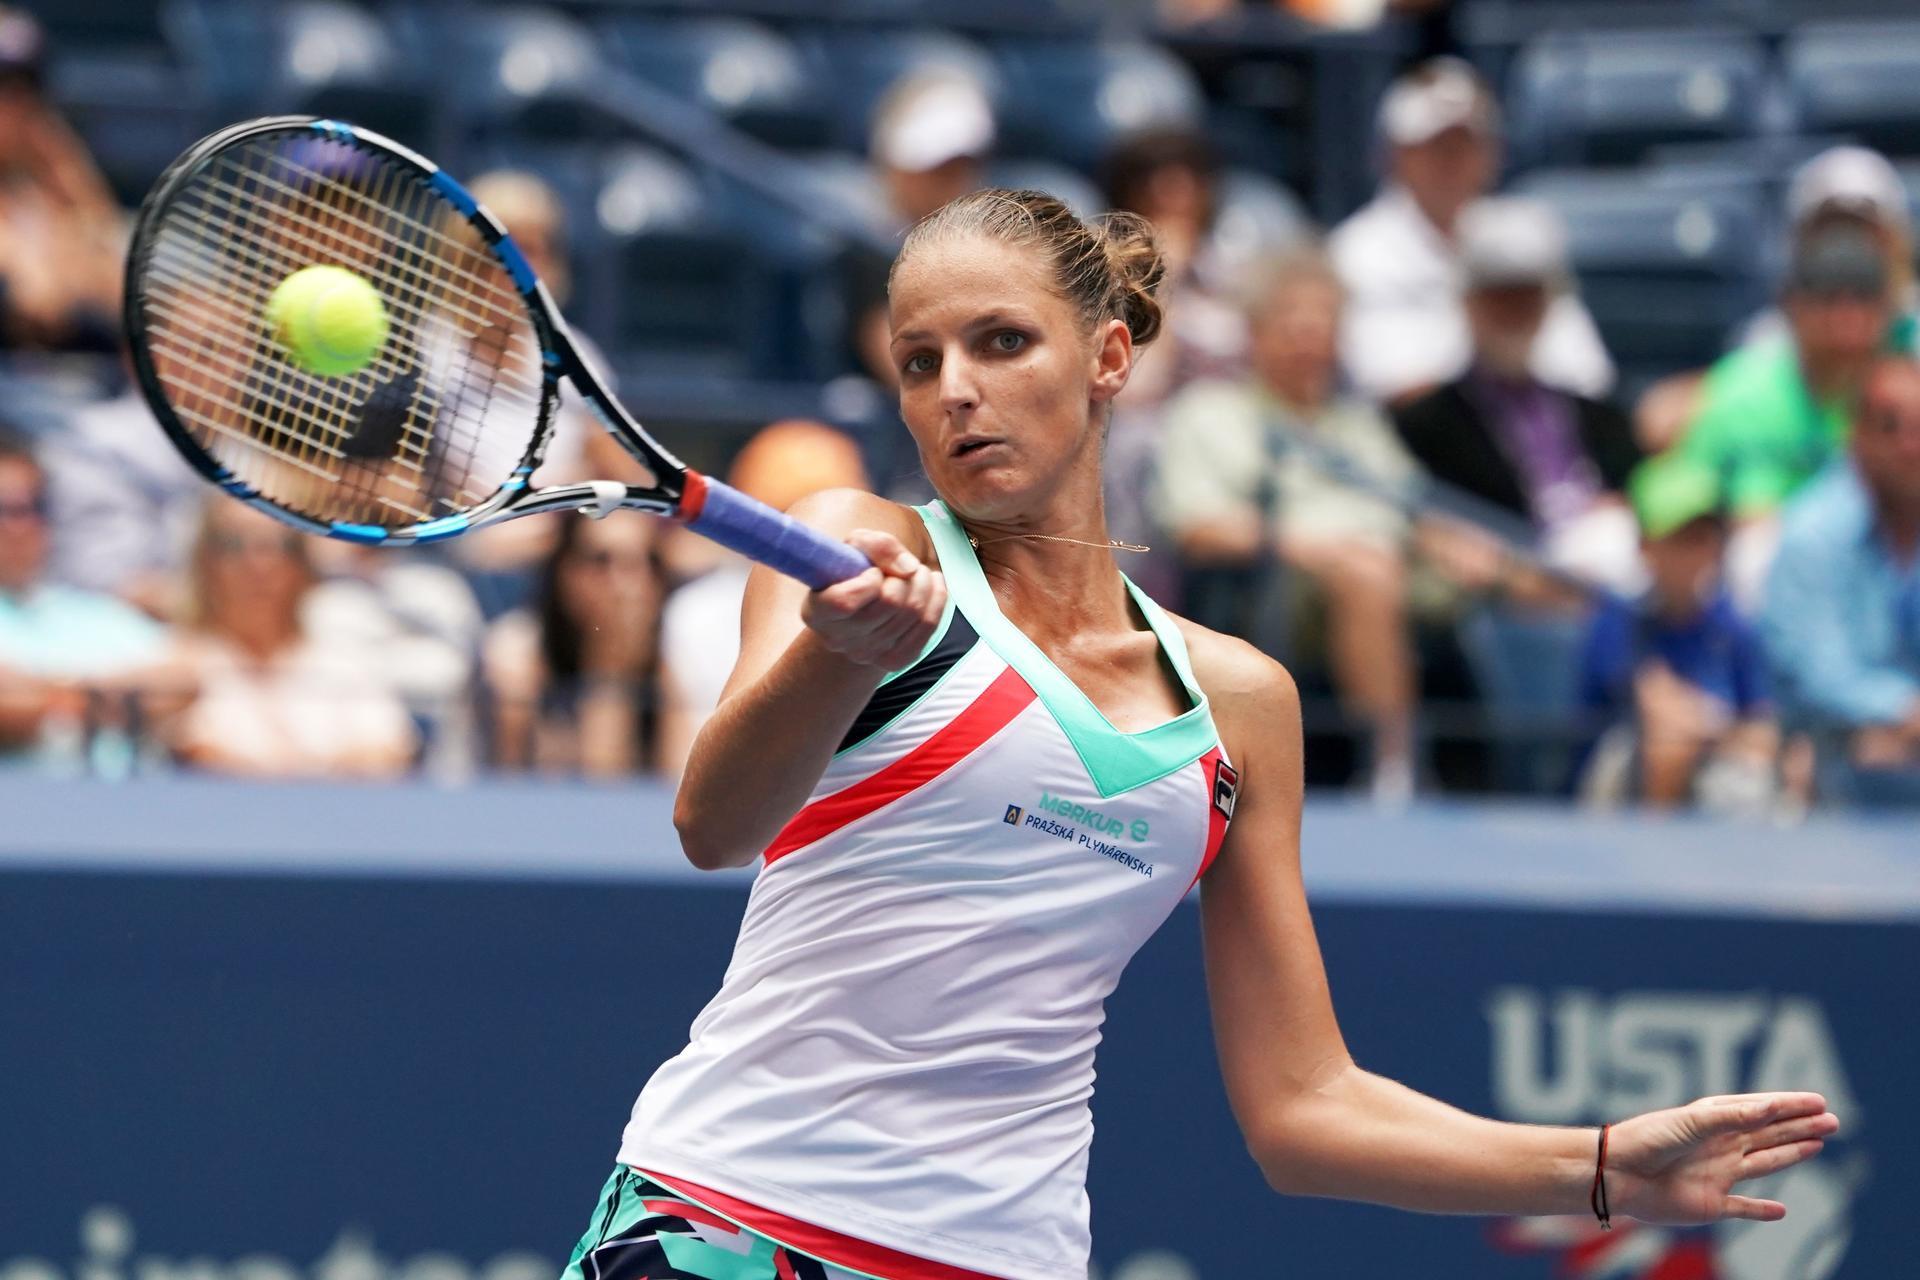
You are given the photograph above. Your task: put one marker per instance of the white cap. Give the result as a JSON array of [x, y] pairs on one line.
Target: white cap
[[1441, 94], [1508, 240], [929, 118], [1852, 178]]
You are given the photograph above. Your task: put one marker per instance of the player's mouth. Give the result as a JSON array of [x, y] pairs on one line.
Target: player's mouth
[[974, 448]]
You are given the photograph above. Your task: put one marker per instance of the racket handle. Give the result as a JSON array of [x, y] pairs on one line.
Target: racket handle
[[775, 539]]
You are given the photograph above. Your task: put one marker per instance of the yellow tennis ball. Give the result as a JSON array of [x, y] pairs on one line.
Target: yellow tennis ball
[[329, 320]]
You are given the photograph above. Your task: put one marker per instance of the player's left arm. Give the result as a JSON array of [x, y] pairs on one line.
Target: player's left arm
[[1318, 1124]]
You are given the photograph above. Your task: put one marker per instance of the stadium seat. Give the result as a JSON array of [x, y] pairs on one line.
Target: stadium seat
[[1669, 267], [1071, 100], [851, 180], [82, 26], [510, 72], [1256, 215], [860, 64], [323, 57], [1910, 179], [135, 109], [803, 333], [1605, 97], [1857, 78], [742, 71], [1069, 185], [691, 288]]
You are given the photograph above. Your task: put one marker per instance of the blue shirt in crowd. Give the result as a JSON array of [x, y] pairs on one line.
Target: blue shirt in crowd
[[1842, 616], [1717, 650], [64, 633]]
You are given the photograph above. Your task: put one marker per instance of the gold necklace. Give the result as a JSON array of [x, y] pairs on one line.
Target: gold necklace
[[1112, 544]]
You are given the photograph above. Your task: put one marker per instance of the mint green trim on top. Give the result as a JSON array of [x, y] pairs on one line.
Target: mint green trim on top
[[1115, 761]]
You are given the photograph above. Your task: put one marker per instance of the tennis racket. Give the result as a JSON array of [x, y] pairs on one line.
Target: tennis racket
[[442, 429]]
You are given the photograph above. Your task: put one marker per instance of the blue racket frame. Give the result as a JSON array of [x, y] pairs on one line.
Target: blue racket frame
[[703, 504]]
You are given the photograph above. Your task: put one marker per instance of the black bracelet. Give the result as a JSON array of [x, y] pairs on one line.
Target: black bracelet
[[1599, 1197]]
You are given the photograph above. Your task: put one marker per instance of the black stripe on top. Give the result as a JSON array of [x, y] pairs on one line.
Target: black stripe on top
[[907, 688]]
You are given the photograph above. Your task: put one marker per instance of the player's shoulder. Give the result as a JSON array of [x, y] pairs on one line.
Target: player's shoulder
[[840, 511], [1241, 683]]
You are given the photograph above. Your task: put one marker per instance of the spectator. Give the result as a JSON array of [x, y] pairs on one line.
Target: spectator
[[700, 626], [1855, 188], [1773, 414], [55, 641], [1169, 176], [501, 562], [1678, 671], [1842, 615], [416, 628], [1430, 17], [61, 241], [1241, 478], [1500, 435], [1406, 331], [1846, 187], [571, 678], [274, 699], [125, 505], [932, 134]]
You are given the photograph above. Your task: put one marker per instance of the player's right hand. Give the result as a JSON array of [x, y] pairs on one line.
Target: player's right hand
[[883, 617]]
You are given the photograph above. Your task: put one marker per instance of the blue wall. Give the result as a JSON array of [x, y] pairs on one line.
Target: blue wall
[[312, 1070]]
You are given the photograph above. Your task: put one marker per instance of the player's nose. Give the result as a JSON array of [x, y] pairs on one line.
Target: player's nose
[[959, 388]]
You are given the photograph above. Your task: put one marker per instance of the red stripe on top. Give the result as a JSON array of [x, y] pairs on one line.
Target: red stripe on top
[[985, 716], [691, 1212], [1216, 820], [818, 1242]]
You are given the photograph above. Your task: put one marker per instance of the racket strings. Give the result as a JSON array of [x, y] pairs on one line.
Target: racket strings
[[268, 386], [349, 230], [348, 240], [435, 422], [408, 269]]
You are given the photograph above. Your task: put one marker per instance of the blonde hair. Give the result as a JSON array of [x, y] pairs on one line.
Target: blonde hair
[[1109, 267], [196, 610], [1306, 264]]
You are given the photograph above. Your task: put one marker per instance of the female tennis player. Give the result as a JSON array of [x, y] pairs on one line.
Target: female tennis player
[[980, 775]]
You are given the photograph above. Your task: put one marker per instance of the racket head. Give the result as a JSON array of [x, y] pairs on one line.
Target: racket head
[[441, 429]]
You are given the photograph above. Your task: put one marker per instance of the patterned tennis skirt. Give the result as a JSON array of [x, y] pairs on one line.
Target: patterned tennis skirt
[[644, 1231]]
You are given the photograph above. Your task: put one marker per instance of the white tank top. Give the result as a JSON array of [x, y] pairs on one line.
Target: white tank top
[[902, 1048]]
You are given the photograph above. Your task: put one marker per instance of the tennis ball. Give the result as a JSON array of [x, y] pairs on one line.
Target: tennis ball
[[329, 320]]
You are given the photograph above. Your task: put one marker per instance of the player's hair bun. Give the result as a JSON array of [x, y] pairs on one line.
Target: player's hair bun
[[1137, 269]]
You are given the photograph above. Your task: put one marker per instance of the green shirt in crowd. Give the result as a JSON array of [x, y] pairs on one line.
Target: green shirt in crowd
[[1761, 429]]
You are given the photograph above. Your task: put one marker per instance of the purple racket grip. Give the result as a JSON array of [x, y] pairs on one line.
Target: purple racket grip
[[778, 541]]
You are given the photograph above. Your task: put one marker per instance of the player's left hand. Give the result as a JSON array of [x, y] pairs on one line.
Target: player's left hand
[[1679, 1166]]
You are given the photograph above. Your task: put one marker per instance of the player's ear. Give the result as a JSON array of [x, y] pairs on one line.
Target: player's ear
[[1112, 359]]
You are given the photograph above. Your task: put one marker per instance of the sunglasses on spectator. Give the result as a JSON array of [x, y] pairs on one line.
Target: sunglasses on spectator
[[237, 544], [37, 508]]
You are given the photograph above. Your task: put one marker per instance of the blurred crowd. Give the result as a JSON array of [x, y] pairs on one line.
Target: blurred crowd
[[1393, 454]]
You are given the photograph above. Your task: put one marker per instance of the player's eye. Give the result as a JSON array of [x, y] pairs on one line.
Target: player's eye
[[920, 362], [1007, 341]]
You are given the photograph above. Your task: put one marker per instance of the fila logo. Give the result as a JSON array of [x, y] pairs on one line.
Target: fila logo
[[1013, 815], [1226, 785]]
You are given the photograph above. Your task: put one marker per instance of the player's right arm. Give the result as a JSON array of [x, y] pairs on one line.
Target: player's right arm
[[808, 663]]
